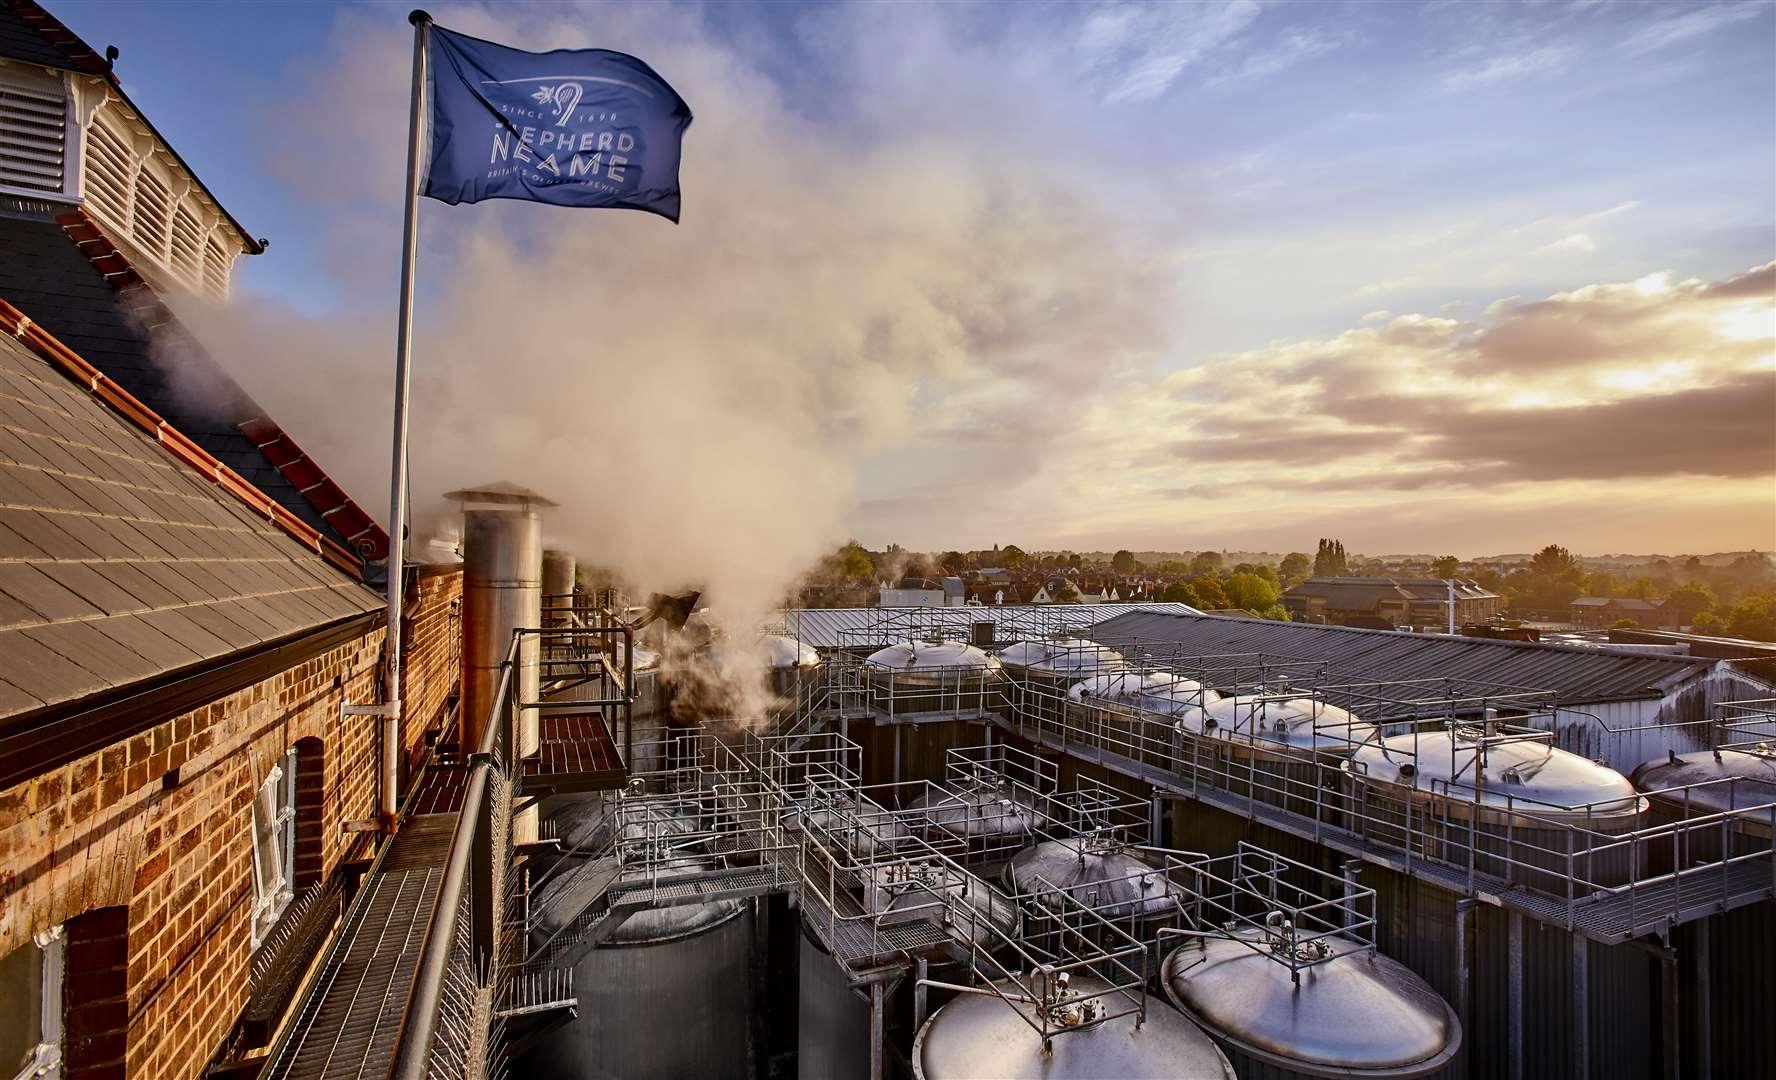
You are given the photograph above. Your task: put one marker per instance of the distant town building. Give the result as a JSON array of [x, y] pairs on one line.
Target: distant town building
[[1598, 612], [924, 592], [1384, 603]]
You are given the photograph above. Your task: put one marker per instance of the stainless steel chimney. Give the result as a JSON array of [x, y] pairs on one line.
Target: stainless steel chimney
[[502, 592], [558, 583]]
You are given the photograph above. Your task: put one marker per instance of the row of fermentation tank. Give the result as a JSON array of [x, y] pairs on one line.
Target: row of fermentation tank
[[1533, 814], [1516, 800], [677, 992]]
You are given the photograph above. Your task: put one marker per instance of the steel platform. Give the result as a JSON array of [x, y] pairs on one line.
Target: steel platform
[[576, 754]]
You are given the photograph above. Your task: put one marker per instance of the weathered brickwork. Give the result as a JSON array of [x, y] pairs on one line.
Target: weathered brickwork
[[159, 827]]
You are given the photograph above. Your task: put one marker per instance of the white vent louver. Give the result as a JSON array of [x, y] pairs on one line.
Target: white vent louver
[[129, 185], [217, 263], [110, 172], [149, 222], [188, 247], [32, 136]]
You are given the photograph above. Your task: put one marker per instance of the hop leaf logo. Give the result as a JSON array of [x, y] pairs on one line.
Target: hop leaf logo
[[544, 96]]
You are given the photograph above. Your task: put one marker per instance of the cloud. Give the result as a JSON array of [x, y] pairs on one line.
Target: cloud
[[1138, 51], [1574, 244], [1510, 67], [1388, 286], [1667, 30]]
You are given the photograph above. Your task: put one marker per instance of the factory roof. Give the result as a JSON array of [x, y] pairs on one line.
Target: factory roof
[[831, 628], [1575, 675], [127, 552]]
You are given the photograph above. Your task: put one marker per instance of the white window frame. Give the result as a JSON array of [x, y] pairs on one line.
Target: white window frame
[[33, 79], [46, 1061], [273, 892]]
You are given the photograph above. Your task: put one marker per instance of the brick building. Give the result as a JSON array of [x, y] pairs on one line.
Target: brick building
[[1383, 603], [183, 615], [1598, 612]]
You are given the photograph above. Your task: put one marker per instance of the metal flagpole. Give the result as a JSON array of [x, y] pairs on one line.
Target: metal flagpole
[[391, 718]]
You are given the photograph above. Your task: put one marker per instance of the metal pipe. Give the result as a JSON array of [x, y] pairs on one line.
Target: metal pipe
[[397, 541], [1704, 1018], [1581, 1007], [875, 1036], [919, 993], [1514, 1013], [1464, 935]]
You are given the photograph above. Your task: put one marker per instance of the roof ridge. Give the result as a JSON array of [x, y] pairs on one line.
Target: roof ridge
[[305, 474], [81, 56], [44, 344]]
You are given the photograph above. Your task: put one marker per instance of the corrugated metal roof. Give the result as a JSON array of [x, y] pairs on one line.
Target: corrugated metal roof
[[1575, 675], [830, 628], [119, 562]]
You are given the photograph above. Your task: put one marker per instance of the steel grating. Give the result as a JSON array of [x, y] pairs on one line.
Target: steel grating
[[576, 754], [348, 1023]]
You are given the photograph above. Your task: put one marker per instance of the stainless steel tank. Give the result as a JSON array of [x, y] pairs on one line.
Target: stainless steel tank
[[1356, 1014], [668, 994], [1099, 874], [832, 1021], [845, 823], [982, 814], [978, 1036], [1683, 787], [1137, 714], [1069, 662], [1280, 750], [1534, 812], [931, 676], [970, 909]]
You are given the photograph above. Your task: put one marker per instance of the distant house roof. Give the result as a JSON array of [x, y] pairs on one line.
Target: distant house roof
[[1577, 675], [1619, 603], [1365, 593], [917, 583], [47, 277], [119, 559]]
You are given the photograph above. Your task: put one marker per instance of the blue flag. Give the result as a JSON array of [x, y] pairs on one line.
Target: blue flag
[[573, 127]]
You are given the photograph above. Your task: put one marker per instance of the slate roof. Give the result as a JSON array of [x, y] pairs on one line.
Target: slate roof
[[119, 561], [44, 275], [29, 33], [1576, 675]]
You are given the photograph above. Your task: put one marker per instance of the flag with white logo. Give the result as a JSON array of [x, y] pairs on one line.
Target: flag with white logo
[[573, 127]]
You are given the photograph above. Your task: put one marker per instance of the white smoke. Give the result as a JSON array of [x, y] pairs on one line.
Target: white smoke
[[703, 400]]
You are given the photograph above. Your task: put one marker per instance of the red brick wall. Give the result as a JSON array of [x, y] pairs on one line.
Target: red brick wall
[[176, 862], [431, 655]]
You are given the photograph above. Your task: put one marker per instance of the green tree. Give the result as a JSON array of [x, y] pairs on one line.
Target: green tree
[[1206, 563], [1708, 622], [1330, 560], [1210, 592], [1445, 566], [1250, 591], [1012, 556], [1295, 568], [1689, 601], [1123, 562], [1624, 624], [1066, 594], [1602, 583], [1553, 561], [953, 562], [1276, 613], [1754, 619], [1642, 589], [1180, 592]]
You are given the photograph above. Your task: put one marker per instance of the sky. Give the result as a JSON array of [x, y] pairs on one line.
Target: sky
[[1463, 278]]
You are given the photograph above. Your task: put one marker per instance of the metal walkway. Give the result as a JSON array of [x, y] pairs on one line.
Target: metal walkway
[[351, 1018]]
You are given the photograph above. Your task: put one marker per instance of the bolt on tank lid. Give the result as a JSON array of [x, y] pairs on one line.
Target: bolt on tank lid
[[1354, 1013], [978, 1035]]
